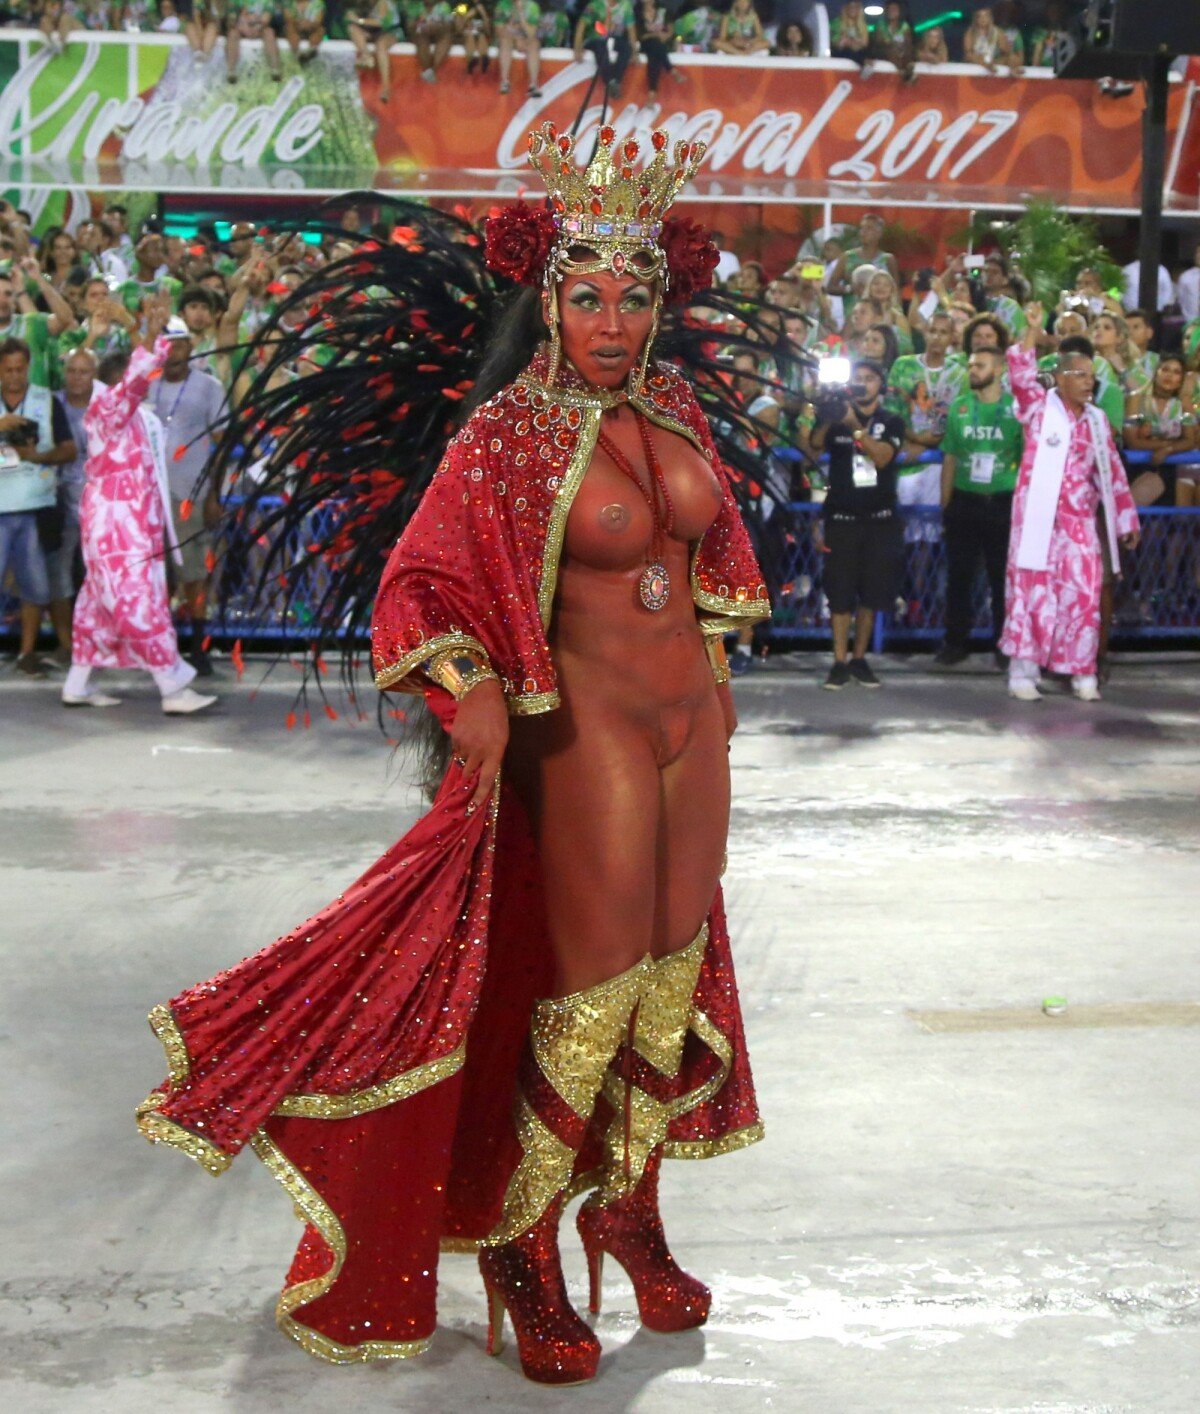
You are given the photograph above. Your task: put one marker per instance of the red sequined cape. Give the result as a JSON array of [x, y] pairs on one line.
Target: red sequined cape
[[369, 1056]]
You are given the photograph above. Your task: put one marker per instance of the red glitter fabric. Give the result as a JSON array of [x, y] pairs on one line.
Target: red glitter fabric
[[370, 1055]]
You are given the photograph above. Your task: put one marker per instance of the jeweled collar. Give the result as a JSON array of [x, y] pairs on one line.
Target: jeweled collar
[[571, 387]]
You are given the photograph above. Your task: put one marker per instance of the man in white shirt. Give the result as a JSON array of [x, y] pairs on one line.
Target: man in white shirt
[[729, 264], [1189, 289], [1132, 275]]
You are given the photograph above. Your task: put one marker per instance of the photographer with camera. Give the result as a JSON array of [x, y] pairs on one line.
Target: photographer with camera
[[863, 538], [35, 439]]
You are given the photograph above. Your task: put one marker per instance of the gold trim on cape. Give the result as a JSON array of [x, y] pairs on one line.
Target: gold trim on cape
[[309, 1205], [314, 1210], [712, 1148], [375, 1097], [564, 497]]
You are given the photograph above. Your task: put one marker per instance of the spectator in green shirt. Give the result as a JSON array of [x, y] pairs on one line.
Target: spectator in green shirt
[[517, 32], [741, 31], [869, 251], [37, 330], [604, 29], [107, 327], [431, 29], [981, 455], [893, 40], [373, 30], [850, 34], [922, 386], [1140, 323], [1000, 302], [1160, 419], [304, 25], [1047, 36], [150, 254], [253, 19], [696, 31]]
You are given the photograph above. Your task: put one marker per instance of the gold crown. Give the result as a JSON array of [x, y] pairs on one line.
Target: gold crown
[[611, 208]]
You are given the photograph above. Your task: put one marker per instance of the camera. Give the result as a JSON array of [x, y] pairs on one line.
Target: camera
[[835, 391], [923, 281], [22, 434]]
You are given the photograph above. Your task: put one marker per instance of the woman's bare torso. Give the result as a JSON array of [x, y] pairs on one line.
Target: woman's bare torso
[[602, 637]]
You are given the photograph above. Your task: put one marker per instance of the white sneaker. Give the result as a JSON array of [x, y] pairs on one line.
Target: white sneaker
[[1024, 691], [91, 699], [182, 703], [1085, 689]]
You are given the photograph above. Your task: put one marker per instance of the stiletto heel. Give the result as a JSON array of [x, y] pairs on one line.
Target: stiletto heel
[[524, 1278], [495, 1335], [630, 1230], [595, 1265]]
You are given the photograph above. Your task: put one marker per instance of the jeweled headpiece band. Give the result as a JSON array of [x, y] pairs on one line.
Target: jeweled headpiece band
[[611, 210]]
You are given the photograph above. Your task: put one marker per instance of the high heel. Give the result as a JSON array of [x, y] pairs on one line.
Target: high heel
[[630, 1230], [622, 1218], [572, 1040], [524, 1277], [595, 1266], [495, 1335]]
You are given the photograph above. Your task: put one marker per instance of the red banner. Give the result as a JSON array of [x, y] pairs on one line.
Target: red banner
[[790, 130]]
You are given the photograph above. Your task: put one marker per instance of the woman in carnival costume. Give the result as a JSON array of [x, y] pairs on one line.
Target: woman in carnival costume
[[531, 994]]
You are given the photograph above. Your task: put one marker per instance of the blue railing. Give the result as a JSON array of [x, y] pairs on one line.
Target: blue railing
[[1157, 600]]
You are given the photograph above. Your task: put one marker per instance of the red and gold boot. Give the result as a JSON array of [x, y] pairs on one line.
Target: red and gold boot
[[622, 1218], [524, 1277], [572, 1040], [630, 1229]]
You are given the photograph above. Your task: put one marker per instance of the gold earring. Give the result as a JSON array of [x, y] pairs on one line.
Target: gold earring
[[637, 382], [555, 336]]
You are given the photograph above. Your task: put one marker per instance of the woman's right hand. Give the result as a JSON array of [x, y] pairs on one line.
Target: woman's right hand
[[479, 736]]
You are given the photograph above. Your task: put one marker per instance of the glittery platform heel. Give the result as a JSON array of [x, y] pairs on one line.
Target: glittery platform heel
[[622, 1218], [524, 1277], [572, 1040], [630, 1229]]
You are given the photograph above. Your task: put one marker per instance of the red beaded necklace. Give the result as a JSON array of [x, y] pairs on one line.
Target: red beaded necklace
[[654, 586]]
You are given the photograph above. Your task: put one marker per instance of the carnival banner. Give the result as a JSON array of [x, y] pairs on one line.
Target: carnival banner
[[139, 112]]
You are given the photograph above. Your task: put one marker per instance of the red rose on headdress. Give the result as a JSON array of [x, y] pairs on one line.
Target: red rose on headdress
[[517, 242], [691, 258]]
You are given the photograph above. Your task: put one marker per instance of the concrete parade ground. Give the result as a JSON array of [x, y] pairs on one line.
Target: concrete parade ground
[[962, 1203]]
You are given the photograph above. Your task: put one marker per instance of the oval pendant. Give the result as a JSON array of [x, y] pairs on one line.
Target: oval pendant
[[654, 587]]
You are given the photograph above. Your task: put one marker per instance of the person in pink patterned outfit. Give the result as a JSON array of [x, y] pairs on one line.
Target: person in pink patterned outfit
[[1071, 471], [123, 613]]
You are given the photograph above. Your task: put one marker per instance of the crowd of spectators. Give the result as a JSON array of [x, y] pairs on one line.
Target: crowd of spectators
[[1006, 36], [850, 302], [936, 345], [69, 301], [71, 298]]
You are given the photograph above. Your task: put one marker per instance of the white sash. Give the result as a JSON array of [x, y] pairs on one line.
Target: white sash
[[157, 442], [1045, 485], [1046, 478]]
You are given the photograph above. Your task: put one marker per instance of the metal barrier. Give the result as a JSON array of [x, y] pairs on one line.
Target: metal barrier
[[1158, 598]]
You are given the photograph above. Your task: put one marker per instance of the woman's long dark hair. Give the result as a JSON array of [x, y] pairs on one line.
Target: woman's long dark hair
[[519, 330]]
